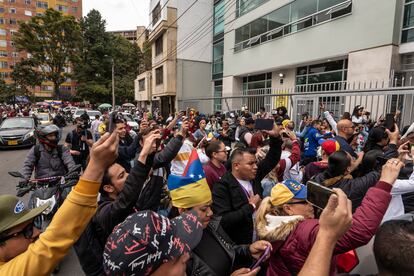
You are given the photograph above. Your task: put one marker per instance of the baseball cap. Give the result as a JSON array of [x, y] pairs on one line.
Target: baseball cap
[[14, 212], [145, 240], [287, 190], [329, 146]]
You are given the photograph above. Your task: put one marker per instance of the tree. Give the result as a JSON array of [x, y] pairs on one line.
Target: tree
[[25, 75], [5, 91], [53, 41], [93, 71]]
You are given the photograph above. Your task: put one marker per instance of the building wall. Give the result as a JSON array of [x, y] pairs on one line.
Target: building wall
[[193, 83], [365, 28], [194, 39]]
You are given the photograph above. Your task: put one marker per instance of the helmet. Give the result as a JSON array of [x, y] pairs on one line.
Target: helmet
[[42, 131]]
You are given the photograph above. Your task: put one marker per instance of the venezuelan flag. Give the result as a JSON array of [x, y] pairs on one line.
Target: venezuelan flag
[[189, 189]]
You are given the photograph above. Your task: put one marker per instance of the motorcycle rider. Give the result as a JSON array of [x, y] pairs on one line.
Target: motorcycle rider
[[47, 158]]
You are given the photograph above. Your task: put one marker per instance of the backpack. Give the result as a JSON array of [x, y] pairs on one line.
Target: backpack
[[37, 154]]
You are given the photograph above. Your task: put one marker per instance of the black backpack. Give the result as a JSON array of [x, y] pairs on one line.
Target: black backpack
[[37, 154]]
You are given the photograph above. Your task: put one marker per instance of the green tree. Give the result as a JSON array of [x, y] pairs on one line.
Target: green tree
[[53, 41], [25, 76], [93, 71], [6, 91]]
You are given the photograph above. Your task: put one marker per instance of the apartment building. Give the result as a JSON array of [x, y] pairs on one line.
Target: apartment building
[[13, 11], [180, 37], [268, 45]]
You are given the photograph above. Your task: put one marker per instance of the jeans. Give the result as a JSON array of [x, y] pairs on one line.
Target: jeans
[[96, 137]]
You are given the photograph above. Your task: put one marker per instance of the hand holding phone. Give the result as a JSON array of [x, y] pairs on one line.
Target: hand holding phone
[[318, 195], [264, 124], [262, 258], [390, 122]]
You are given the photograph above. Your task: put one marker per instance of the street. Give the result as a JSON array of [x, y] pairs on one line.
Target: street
[[12, 160]]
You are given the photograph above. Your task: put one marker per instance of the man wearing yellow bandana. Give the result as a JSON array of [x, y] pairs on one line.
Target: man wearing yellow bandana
[[216, 254]]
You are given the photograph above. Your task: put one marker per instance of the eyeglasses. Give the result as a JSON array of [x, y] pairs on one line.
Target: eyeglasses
[[27, 233], [297, 202]]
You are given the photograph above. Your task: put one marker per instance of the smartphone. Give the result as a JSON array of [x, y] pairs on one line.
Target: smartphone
[[183, 112], [261, 259], [285, 135], [318, 195], [381, 161], [112, 119], [264, 124], [390, 122]]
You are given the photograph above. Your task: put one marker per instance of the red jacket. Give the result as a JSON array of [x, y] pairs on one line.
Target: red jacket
[[294, 158], [289, 256]]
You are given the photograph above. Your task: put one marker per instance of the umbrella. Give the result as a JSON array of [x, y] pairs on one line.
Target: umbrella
[[128, 105], [105, 105]]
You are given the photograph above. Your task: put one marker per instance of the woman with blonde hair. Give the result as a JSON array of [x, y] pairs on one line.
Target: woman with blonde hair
[[286, 220]]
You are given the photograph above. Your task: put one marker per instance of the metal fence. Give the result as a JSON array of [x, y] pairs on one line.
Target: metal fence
[[338, 97]]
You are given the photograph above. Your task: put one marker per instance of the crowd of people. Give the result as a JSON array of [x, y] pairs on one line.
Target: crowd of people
[[214, 195]]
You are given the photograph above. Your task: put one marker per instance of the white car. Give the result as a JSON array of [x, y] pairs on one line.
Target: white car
[[128, 118], [91, 114]]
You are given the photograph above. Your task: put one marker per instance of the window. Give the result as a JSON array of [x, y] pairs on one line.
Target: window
[[2, 32], [218, 51], [244, 6], [12, 44], [3, 54], [323, 76], [4, 75], [42, 5], [13, 21], [159, 76], [74, 9], [218, 93], [257, 85], [408, 23], [39, 14], [46, 88], [12, 1], [3, 43], [297, 15], [12, 10], [156, 14], [28, 13], [141, 85], [62, 8], [28, 2], [15, 54], [1, 21], [159, 46], [4, 64], [1, 10], [219, 11]]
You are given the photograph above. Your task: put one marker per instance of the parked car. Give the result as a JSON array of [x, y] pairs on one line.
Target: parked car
[[91, 114], [44, 118], [17, 132], [130, 121]]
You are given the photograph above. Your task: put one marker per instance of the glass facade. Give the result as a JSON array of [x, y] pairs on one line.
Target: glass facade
[[290, 18], [244, 6], [408, 22], [322, 77], [257, 85], [218, 92], [218, 40]]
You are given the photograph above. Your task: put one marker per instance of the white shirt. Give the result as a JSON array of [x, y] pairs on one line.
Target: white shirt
[[94, 126], [247, 186]]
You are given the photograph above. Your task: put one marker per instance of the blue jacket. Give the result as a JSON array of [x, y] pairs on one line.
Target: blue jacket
[[311, 142]]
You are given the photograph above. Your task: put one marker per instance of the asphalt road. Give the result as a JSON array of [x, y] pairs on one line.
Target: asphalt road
[[12, 160]]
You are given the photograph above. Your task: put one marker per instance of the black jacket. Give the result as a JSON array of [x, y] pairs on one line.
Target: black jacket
[[228, 139], [355, 188], [110, 213], [238, 255], [230, 201]]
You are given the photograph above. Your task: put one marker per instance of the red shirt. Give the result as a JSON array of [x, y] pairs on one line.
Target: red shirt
[[213, 173]]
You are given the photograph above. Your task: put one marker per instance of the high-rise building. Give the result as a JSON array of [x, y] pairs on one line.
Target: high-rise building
[[308, 45], [181, 54], [13, 11]]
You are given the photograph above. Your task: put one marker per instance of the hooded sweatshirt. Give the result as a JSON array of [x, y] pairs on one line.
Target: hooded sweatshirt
[[292, 237]]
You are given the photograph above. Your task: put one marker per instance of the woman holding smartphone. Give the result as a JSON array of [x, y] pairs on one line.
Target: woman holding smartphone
[[286, 220]]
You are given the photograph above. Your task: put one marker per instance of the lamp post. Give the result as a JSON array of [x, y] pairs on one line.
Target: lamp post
[[113, 84]]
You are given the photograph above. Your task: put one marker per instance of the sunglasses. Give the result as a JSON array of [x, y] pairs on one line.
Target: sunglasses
[[297, 202], [27, 233]]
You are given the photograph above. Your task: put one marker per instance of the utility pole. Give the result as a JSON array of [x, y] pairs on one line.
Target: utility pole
[[113, 84]]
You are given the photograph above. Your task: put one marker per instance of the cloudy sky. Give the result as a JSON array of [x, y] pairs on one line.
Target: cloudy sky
[[120, 14]]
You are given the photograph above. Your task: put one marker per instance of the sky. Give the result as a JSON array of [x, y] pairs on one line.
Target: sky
[[120, 14]]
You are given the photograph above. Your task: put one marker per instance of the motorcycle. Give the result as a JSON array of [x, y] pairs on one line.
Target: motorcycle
[[48, 190]]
